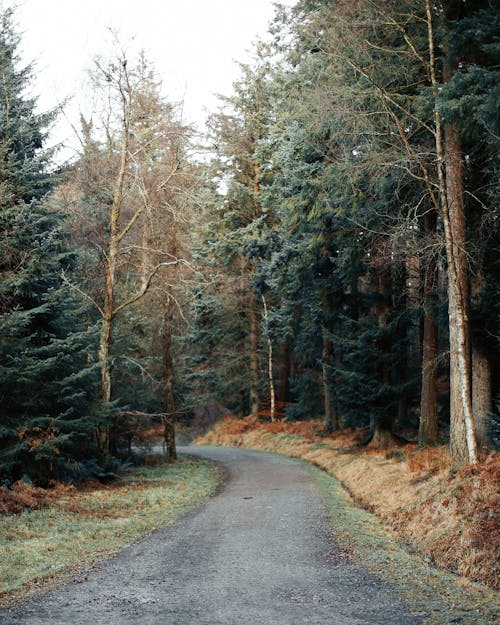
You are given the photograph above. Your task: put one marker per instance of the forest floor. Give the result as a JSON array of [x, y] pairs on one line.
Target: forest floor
[[447, 514], [48, 536]]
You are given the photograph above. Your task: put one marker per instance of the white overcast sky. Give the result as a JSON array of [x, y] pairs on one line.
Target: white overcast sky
[[193, 45]]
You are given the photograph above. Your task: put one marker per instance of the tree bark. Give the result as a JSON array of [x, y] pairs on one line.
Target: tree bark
[[270, 365], [254, 356], [103, 433], [482, 394], [169, 419], [428, 431], [460, 347], [482, 384], [463, 440]]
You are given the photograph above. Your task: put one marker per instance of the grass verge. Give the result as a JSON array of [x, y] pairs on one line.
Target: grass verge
[[443, 597], [43, 547]]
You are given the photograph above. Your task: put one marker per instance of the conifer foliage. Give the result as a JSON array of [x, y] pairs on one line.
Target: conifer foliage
[[46, 378]]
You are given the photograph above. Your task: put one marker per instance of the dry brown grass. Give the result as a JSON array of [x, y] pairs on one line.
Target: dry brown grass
[[449, 515], [429, 460], [22, 496]]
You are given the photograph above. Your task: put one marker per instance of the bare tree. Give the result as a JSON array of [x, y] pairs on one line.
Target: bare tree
[[120, 177]]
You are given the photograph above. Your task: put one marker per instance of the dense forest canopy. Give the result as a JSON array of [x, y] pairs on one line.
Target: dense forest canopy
[[335, 253]]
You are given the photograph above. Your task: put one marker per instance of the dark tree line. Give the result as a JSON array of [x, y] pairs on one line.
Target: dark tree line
[[359, 154]]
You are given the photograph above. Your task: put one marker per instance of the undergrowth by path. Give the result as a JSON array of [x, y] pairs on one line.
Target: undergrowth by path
[[448, 514], [77, 528]]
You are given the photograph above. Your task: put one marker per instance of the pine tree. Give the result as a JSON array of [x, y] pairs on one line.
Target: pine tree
[[237, 233], [468, 106], [46, 381]]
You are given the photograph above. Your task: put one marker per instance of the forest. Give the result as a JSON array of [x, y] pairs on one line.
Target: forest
[[329, 248]]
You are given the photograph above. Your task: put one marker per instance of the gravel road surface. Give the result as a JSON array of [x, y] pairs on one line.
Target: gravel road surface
[[259, 553]]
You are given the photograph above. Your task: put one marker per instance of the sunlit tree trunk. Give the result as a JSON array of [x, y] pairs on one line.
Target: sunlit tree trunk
[[459, 313], [463, 439], [108, 310], [270, 365]]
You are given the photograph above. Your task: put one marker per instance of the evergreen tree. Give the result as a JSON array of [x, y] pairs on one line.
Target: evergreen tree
[[46, 379], [468, 103], [236, 235]]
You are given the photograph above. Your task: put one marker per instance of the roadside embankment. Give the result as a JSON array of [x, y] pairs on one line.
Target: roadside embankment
[[448, 514]]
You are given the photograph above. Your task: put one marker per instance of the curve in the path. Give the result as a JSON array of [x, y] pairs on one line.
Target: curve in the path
[[260, 553]]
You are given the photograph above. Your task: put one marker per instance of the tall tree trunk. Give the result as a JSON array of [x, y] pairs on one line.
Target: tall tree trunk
[[459, 306], [428, 431], [463, 439], [254, 314], [331, 414], [270, 365], [169, 419], [284, 372], [254, 356], [103, 432]]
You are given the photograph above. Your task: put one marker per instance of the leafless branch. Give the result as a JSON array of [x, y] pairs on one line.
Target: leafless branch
[[76, 288], [143, 370], [143, 291]]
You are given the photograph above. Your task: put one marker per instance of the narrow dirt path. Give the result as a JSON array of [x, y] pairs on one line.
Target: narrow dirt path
[[260, 552]]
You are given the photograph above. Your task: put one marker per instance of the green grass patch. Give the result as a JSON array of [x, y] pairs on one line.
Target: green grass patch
[[41, 546], [445, 597]]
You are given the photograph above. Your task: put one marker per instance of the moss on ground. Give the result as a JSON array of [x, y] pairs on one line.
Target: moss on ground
[[42, 546], [445, 597]]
